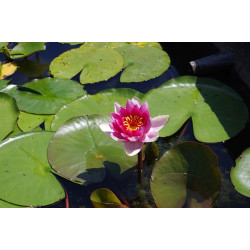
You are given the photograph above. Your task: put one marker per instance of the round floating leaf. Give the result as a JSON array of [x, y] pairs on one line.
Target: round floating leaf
[[110, 45], [105, 198], [25, 49], [25, 177], [3, 44], [145, 44], [217, 111], [47, 95], [240, 174], [7, 69], [9, 113], [101, 103], [15, 131], [79, 149], [143, 63], [95, 64], [27, 121], [4, 204], [7, 88], [186, 174]]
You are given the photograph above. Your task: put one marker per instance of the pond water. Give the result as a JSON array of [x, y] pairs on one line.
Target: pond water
[[181, 54]]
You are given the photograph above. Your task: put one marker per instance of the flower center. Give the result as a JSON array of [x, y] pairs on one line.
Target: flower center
[[132, 123]]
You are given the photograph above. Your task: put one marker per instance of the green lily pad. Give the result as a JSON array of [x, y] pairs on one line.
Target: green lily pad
[[25, 177], [79, 148], [2, 45], [47, 95], [26, 48], [95, 64], [15, 131], [27, 121], [217, 111], [240, 174], [186, 174], [111, 45], [101, 103], [31, 68], [9, 113], [143, 63], [145, 44], [4, 204], [105, 198]]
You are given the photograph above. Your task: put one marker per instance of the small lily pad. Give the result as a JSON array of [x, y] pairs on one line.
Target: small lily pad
[[217, 111], [26, 178], [79, 148], [105, 198], [47, 95], [101, 103], [26, 48], [7, 69], [143, 63], [9, 113], [240, 174], [95, 64], [187, 174], [27, 121]]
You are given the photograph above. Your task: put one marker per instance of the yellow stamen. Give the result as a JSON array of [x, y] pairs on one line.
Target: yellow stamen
[[132, 123]]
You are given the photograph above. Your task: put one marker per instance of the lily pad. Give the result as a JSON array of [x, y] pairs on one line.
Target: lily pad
[[143, 63], [47, 95], [27, 121], [72, 43], [79, 148], [95, 64], [9, 113], [187, 174], [7, 88], [105, 198], [26, 48], [15, 131], [145, 44], [4, 204], [7, 69], [101, 103], [240, 174], [217, 111], [25, 179], [111, 45]]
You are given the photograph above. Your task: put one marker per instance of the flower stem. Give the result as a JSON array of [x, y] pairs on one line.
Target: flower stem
[[140, 166]]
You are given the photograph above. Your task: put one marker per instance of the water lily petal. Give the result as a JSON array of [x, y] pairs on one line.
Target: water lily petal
[[117, 107], [158, 122], [114, 137], [136, 101], [129, 105], [132, 148], [106, 128], [151, 136]]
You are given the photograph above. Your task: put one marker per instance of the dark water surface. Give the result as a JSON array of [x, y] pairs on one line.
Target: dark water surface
[[181, 54]]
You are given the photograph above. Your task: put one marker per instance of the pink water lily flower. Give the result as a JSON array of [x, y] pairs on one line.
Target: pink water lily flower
[[133, 125]]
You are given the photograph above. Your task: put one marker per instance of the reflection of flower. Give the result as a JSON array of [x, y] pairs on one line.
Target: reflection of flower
[[133, 125]]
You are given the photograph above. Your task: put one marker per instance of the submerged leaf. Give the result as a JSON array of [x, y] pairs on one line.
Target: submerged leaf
[[240, 174], [105, 198]]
